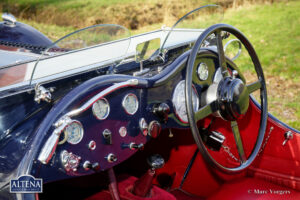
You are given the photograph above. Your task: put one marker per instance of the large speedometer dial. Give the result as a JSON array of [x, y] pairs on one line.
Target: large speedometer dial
[[178, 100], [130, 104], [101, 109], [74, 132]]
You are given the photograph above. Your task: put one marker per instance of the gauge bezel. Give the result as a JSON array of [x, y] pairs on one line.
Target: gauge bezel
[[174, 107], [81, 132], [94, 112], [207, 69], [136, 106]]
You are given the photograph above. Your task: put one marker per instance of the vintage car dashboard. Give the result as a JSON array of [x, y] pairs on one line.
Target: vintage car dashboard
[[111, 117]]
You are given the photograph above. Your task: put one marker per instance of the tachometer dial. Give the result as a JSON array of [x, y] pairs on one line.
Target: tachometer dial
[[101, 109], [74, 132], [130, 103], [178, 100]]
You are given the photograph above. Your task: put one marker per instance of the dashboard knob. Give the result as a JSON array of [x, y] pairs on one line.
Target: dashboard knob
[[143, 126], [133, 146], [154, 129], [162, 111], [87, 165], [111, 158]]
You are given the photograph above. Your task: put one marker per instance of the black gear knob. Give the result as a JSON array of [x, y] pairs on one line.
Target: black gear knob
[[156, 161]]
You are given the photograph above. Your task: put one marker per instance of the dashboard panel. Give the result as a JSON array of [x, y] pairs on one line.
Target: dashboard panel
[[120, 123]]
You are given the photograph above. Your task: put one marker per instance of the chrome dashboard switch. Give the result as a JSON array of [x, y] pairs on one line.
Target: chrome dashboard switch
[[143, 126], [87, 165], [154, 129], [107, 136], [111, 158], [133, 146], [161, 110]]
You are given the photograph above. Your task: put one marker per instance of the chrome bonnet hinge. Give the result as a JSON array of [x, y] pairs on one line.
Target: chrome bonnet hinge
[[42, 94]]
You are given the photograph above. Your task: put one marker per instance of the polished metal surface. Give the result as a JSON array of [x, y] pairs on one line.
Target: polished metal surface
[[69, 161], [239, 50], [130, 103], [233, 98], [154, 129], [101, 109], [92, 145], [74, 132], [288, 136], [202, 71], [156, 161], [123, 131], [111, 158], [89, 103], [9, 19], [42, 94], [143, 126]]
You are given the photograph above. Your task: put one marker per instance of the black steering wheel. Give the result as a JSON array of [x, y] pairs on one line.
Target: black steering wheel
[[232, 97]]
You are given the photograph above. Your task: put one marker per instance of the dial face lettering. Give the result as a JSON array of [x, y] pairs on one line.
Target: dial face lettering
[[130, 104], [179, 101], [101, 109], [202, 71], [74, 132]]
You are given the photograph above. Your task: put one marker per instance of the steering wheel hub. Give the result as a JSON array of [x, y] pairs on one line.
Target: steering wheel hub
[[233, 98]]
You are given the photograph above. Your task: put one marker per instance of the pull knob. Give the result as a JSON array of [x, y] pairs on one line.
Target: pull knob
[[288, 136], [133, 146], [154, 129], [156, 161], [162, 111]]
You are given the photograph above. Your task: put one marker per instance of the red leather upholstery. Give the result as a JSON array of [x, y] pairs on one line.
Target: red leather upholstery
[[252, 188]]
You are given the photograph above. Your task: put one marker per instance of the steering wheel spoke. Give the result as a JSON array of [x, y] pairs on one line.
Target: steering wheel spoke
[[205, 111], [231, 96], [222, 60], [238, 141], [252, 87]]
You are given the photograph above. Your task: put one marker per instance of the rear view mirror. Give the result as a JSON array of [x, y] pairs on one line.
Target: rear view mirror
[[146, 50]]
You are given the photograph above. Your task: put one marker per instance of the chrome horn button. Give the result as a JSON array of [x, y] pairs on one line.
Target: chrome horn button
[[233, 98]]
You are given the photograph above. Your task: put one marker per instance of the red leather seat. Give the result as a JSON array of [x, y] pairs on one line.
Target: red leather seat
[[253, 188]]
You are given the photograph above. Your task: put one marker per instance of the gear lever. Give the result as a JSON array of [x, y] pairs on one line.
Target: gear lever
[[143, 185]]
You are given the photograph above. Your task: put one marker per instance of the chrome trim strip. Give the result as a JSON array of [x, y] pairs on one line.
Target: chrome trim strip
[[89, 103]]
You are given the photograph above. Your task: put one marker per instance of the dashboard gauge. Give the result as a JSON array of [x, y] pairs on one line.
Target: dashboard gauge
[[178, 100], [202, 71], [74, 131], [130, 103], [101, 109]]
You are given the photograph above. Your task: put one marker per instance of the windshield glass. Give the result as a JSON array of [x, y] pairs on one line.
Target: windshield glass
[[87, 48], [101, 45], [192, 23], [81, 50]]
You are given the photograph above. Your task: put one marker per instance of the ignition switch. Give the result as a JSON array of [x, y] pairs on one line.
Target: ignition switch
[[161, 110]]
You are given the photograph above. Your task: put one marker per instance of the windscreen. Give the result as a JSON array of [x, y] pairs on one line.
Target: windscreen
[[81, 50], [195, 22]]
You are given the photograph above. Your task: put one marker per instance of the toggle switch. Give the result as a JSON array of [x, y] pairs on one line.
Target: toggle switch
[[133, 146]]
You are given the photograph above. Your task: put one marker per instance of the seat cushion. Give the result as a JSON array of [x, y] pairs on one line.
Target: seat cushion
[[253, 188]]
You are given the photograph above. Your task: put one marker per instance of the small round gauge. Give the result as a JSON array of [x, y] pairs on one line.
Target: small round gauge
[[101, 109], [178, 100], [202, 71], [130, 104], [74, 132]]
